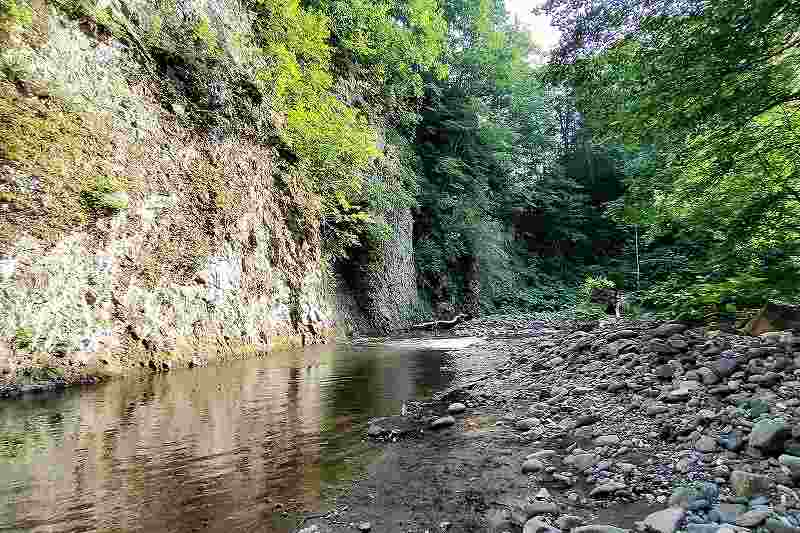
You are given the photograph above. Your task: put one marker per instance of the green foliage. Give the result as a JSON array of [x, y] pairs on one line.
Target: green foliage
[[104, 193], [704, 129], [591, 283], [15, 13], [23, 338], [39, 374], [701, 298], [397, 55]]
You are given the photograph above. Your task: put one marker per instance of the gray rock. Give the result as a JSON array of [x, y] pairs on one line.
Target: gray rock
[[531, 466], [702, 528], [747, 485], [705, 444], [443, 422], [769, 434], [375, 430], [606, 440], [456, 408], [595, 528], [660, 347], [678, 395], [725, 366], [587, 420], [622, 346], [534, 525], [622, 334], [607, 488], [732, 441], [527, 423], [657, 409], [792, 462], [540, 507], [582, 461], [364, 526], [541, 454], [694, 495], [665, 521], [752, 518], [707, 376], [567, 522], [667, 330], [664, 371], [778, 526]]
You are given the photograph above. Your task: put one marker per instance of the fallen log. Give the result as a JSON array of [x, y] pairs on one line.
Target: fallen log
[[438, 324]]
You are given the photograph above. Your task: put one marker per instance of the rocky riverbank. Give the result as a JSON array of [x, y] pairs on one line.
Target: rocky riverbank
[[589, 428]]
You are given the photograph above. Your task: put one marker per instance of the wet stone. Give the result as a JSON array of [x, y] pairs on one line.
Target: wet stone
[[443, 422], [665, 521], [456, 408]]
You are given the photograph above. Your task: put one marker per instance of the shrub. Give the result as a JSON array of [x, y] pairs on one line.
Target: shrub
[[590, 284]]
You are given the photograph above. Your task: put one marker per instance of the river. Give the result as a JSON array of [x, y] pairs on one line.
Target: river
[[244, 446]]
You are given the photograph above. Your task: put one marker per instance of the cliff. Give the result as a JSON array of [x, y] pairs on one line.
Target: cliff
[[153, 212]]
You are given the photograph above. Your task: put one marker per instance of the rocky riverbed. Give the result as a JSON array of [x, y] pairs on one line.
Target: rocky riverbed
[[592, 428]]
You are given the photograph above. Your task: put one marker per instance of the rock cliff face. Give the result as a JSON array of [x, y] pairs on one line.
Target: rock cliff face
[[128, 236], [377, 291]]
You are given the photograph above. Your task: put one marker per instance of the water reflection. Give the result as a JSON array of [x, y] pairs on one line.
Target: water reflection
[[212, 449]]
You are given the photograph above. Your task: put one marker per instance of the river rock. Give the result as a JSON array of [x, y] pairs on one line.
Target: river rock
[[694, 495], [792, 462], [665, 521], [777, 526], [540, 507], [747, 485], [599, 529], [667, 330], [587, 420], [527, 423], [622, 346], [607, 488], [567, 522], [534, 525], [678, 395], [707, 376], [752, 518], [443, 422], [705, 444], [582, 461], [364, 526], [733, 441], [605, 440], [531, 466], [769, 435], [456, 408]]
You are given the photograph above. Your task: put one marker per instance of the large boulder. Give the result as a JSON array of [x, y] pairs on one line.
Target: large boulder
[[775, 316], [665, 521], [747, 485], [769, 435], [605, 297]]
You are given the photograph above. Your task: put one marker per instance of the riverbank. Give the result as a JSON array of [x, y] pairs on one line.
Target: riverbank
[[24, 373], [590, 427]]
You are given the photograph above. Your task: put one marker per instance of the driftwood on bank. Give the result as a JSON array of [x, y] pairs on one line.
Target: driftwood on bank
[[438, 324]]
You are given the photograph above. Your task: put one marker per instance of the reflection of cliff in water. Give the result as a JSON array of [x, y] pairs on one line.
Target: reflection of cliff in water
[[212, 449]]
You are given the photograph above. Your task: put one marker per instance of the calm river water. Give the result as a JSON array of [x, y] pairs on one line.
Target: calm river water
[[222, 449]]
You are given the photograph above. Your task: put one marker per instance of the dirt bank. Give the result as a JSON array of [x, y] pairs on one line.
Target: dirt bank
[[630, 425]]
